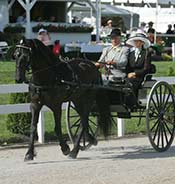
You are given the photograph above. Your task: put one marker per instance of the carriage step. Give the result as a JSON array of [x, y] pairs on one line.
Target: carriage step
[[126, 115]]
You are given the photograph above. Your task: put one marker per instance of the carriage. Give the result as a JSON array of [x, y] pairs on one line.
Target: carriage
[[91, 103], [155, 103]]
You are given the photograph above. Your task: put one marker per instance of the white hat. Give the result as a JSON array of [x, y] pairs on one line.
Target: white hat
[[138, 35], [42, 30], [109, 21]]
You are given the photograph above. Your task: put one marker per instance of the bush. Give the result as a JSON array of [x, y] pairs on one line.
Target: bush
[[64, 28], [14, 29], [19, 123]]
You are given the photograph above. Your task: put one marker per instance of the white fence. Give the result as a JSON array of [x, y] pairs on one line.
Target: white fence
[[25, 107]]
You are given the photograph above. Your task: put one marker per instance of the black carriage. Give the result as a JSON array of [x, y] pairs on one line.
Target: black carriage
[[155, 103]]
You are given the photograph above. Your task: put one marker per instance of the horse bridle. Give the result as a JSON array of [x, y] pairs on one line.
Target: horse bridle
[[24, 47]]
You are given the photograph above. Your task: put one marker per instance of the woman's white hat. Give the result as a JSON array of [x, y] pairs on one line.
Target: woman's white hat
[[138, 35], [42, 30]]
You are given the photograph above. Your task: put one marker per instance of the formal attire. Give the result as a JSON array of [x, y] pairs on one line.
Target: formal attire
[[119, 55], [139, 62]]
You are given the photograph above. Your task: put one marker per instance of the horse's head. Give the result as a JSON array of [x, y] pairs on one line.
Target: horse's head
[[22, 57]]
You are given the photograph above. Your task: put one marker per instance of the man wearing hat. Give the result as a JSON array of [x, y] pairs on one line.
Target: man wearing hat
[[139, 59], [115, 56]]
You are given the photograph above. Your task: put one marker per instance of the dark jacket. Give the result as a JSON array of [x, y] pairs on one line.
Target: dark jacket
[[141, 66]]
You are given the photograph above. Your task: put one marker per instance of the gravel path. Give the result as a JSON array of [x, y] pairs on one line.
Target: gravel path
[[122, 161]]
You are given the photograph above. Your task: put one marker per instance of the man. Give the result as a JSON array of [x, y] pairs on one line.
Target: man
[[115, 57]]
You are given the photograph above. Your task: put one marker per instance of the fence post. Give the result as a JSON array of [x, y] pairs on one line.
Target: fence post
[[173, 51], [121, 127], [40, 127]]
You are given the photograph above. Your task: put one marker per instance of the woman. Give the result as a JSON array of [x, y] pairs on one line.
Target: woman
[[139, 59]]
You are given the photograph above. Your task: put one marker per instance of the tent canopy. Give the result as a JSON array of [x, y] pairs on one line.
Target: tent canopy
[[127, 16]]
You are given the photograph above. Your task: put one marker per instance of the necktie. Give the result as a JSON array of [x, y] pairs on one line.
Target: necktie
[[137, 52]]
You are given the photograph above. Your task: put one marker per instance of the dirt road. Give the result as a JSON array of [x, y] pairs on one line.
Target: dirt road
[[122, 161]]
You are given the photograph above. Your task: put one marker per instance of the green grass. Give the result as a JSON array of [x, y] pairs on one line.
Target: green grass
[[162, 68], [7, 75]]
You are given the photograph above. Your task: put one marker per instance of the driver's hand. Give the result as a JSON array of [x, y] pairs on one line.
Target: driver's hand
[[110, 62], [132, 75], [98, 65]]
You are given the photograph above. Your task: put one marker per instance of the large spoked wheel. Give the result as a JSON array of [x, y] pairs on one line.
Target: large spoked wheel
[[74, 126], [160, 116]]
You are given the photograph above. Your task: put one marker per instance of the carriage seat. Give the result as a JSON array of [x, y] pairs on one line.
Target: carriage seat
[[148, 82]]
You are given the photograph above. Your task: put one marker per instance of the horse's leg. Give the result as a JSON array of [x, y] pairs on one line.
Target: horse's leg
[[83, 110], [35, 109], [58, 130], [76, 148]]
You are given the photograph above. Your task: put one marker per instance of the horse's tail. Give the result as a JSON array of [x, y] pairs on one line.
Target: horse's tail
[[103, 106]]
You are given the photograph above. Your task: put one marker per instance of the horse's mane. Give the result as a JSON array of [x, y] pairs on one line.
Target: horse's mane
[[40, 50]]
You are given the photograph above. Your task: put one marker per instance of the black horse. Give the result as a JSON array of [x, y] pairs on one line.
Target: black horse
[[53, 82]]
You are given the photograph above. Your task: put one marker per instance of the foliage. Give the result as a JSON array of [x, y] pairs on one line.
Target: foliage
[[171, 71], [19, 123], [64, 28], [14, 29], [12, 35]]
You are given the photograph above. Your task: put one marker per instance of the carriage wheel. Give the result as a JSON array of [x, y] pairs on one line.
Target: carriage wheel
[[160, 116], [74, 126]]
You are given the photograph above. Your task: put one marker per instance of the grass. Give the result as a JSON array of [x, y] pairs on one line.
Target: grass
[[7, 75]]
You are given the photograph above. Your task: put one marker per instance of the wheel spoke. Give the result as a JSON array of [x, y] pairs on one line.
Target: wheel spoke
[[162, 135], [165, 133], [75, 133], [158, 138], [168, 128], [72, 107], [76, 123], [155, 133], [166, 109], [160, 94], [153, 111], [157, 97], [155, 105], [93, 122], [166, 102], [92, 132], [165, 91], [154, 125]]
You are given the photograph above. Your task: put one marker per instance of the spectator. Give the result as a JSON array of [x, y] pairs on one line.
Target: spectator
[[56, 48], [174, 28], [169, 38], [150, 28], [21, 19], [107, 29], [52, 19], [44, 37], [143, 26], [169, 30], [151, 32]]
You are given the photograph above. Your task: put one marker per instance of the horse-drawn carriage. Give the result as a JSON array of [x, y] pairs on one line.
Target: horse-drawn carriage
[[91, 104], [155, 103]]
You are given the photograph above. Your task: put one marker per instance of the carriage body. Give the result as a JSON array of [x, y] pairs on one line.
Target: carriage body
[[155, 103]]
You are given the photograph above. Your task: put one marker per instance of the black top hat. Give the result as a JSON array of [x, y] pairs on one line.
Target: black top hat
[[115, 32], [150, 23]]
